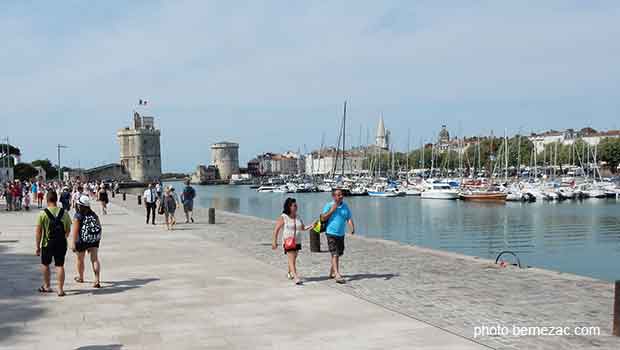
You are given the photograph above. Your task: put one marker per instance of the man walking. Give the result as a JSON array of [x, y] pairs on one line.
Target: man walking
[[52, 229], [187, 198], [336, 214], [150, 202]]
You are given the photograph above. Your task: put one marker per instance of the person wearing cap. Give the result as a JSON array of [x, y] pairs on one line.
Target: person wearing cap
[[85, 237], [65, 198]]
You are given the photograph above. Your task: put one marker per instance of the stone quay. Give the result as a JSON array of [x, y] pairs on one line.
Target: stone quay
[[222, 287]]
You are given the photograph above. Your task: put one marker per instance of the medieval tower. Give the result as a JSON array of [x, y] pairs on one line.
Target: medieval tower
[[140, 149]]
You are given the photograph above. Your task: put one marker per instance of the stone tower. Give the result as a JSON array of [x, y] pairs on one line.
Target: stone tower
[[140, 149], [225, 156]]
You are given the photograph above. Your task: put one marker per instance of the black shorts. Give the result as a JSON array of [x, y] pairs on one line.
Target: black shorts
[[297, 248], [81, 247], [335, 245], [56, 251]]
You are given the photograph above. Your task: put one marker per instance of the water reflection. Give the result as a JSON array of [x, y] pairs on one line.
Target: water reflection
[[577, 237]]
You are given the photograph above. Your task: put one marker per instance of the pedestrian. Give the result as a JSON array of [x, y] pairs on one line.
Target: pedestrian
[[159, 190], [52, 229], [65, 198], [86, 237], [169, 202], [336, 214], [26, 194], [34, 190], [291, 226], [150, 202], [40, 195], [78, 192], [187, 198], [102, 196]]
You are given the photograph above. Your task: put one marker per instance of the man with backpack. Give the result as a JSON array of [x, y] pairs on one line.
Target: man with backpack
[[52, 229]]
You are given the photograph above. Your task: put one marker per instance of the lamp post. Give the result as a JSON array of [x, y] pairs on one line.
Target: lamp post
[[59, 146]]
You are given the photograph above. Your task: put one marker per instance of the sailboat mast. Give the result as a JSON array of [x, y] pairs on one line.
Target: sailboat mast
[[344, 134]]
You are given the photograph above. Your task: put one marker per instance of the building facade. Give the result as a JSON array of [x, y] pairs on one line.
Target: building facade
[[570, 136], [140, 148], [225, 157], [330, 161]]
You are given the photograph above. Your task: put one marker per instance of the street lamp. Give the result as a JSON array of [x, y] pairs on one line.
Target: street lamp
[[59, 146]]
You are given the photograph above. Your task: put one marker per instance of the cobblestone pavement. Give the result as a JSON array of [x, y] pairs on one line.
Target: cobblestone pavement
[[450, 291]]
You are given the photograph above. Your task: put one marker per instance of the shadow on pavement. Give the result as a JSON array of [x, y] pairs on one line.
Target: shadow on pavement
[[101, 347], [19, 279], [113, 287], [357, 277]]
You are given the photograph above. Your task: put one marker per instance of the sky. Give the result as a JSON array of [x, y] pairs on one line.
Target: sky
[[273, 75]]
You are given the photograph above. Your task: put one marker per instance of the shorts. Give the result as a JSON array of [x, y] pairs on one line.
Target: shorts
[[56, 252], [296, 249], [82, 247], [188, 206], [335, 245], [40, 195]]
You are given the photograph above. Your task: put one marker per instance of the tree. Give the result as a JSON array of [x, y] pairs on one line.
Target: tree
[[49, 168], [24, 171], [609, 151], [8, 151]]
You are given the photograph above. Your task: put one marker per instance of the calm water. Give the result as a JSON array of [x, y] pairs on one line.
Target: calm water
[[571, 236]]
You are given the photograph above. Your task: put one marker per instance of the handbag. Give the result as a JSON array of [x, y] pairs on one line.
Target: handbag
[[289, 242]]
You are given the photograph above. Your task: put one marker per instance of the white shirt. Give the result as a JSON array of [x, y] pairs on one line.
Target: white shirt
[[150, 196], [292, 227]]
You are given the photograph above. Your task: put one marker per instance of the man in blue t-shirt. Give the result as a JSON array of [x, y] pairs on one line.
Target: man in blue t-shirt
[[336, 214]]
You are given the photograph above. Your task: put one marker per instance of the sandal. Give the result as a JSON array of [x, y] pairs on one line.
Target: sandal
[[78, 280], [298, 281], [97, 285], [340, 280], [289, 275], [61, 294], [42, 289]]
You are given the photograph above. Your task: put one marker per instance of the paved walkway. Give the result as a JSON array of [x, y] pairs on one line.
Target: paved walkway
[[185, 290], [454, 292]]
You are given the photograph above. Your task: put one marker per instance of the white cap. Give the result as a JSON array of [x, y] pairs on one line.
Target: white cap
[[84, 201]]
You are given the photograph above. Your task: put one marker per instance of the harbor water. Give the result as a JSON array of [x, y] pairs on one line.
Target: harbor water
[[579, 237]]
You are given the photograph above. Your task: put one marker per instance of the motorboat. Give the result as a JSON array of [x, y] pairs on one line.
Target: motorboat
[[266, 189], [439, 190]]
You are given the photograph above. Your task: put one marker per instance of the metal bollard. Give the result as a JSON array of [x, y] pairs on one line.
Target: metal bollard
[[113, 194], [211, 216], [139, 200], [124, 196], [616, 325]]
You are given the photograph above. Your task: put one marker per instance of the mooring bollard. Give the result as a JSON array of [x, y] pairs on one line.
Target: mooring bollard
[[124, 196], [211, 216], [315, 242], [616, 326], [112, 194], [139, 200]]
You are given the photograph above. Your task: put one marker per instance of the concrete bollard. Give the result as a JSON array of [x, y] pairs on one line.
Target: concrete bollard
[[211, 216], [315, 242], [124, 196], [139, 200], [616, 326]]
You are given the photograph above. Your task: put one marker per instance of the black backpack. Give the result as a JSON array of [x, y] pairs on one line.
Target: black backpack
[[56, 228]]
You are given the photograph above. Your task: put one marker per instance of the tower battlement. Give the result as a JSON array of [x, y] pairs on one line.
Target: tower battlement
[[140, 149]]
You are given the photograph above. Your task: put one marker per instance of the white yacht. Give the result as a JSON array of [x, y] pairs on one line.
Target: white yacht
[[439, 190]]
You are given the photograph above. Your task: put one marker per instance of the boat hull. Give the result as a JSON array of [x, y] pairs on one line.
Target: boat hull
[[484, 197]]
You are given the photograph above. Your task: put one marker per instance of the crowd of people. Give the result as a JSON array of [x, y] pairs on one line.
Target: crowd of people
[[165, 201]]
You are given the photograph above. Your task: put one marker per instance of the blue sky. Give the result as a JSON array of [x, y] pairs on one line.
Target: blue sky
[[273, 75]]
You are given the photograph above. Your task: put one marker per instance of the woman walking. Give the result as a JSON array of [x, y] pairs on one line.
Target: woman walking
[[86, 235], [102, 196], [170, 203], [291, 226]]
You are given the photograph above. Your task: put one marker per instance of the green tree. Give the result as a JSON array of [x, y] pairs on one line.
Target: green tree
[[24, 171], [49, 168], [609, 151]]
